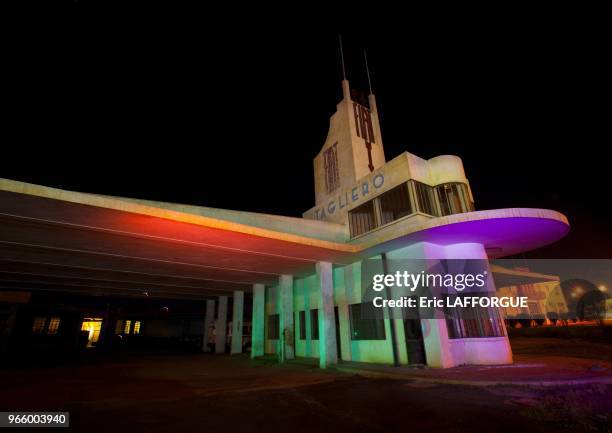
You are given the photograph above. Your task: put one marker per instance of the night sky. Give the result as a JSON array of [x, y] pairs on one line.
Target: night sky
[[233, 120]]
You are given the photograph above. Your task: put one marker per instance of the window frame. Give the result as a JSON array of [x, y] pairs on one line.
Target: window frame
[[273, 327], [395, 195], [379, 332], [302, 324], [486, 322], [314, 324]]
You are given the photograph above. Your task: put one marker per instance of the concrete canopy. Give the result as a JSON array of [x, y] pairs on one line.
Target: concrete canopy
[[52, 239], [59, 240]]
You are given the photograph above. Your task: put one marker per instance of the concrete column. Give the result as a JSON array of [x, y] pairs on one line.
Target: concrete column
[[237, 321], [345, 331], [221, 325], [285, 311], [257, 322], [307, 324], [327, 325], [209, 321]]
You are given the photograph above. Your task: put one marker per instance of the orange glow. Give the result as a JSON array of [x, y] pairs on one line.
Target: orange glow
[[93, 327]]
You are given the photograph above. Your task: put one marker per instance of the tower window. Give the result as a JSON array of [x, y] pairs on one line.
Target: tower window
[[330, 162]]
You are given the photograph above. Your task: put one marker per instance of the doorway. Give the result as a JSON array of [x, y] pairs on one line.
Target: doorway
[[415, 346]]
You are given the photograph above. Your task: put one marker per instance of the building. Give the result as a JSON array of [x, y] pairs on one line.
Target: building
[[546, 302], [304, 274]]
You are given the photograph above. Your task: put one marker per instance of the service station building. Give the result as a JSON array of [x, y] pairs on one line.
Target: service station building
[[302, 274]]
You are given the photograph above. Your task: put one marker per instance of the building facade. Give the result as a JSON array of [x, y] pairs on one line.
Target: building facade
[[400, 209], [306, 277]]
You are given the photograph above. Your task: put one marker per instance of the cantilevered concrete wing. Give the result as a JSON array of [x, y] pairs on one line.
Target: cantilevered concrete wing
[[62, 240], [52, 239]]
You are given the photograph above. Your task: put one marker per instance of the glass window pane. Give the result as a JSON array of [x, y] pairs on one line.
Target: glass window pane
[[395, 204], [474, 322], [453, 198], [367, 322], [54, 323], [39, 324], [273, 326], [362, 219], [314, 324], [302, 325], [424, 198]]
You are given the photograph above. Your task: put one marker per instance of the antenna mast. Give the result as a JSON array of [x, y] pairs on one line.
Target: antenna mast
[[342, 57], [365, 56]]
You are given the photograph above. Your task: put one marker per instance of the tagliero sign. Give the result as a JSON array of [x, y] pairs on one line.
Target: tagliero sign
[[350, 196]]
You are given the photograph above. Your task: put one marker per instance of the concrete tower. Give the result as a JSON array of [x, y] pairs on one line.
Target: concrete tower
[[353, 147]]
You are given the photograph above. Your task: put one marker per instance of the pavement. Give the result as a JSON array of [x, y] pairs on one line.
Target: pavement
[[537, 362], [146, 392], [532, 371]]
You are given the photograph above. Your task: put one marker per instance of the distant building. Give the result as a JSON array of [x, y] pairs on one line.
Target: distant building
[[546, 300]]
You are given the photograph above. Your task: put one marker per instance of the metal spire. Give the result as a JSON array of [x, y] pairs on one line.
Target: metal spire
[[342, 57], [365, 56]]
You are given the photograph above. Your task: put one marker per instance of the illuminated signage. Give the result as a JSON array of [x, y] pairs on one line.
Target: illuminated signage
[[350, 196]]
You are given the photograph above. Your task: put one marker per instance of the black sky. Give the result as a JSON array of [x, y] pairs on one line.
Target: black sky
[[232, 119]]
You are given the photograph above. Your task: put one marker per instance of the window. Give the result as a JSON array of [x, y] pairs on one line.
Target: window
[[93, 326], [38, 325], [314, 324], [302, 325], [425, 198], [119, 327], [473, 322], [137, 327], [54, 323], [395, 204], [126, 327], [362, 219], [330, 163], [273, 326], [453, 198], [367, 322]]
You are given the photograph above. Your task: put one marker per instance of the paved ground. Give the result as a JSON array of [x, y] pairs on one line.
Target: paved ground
[[169, 392], [542, 361]]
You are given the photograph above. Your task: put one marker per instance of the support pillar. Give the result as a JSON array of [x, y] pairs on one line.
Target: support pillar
[[285, 311], [221, 325], [209, 321], [237, 321], [257, 321], [328, 353]]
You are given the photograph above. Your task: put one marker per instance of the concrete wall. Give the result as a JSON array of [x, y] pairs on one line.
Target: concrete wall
[[440, 350], [352, 153], [406, 166]]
